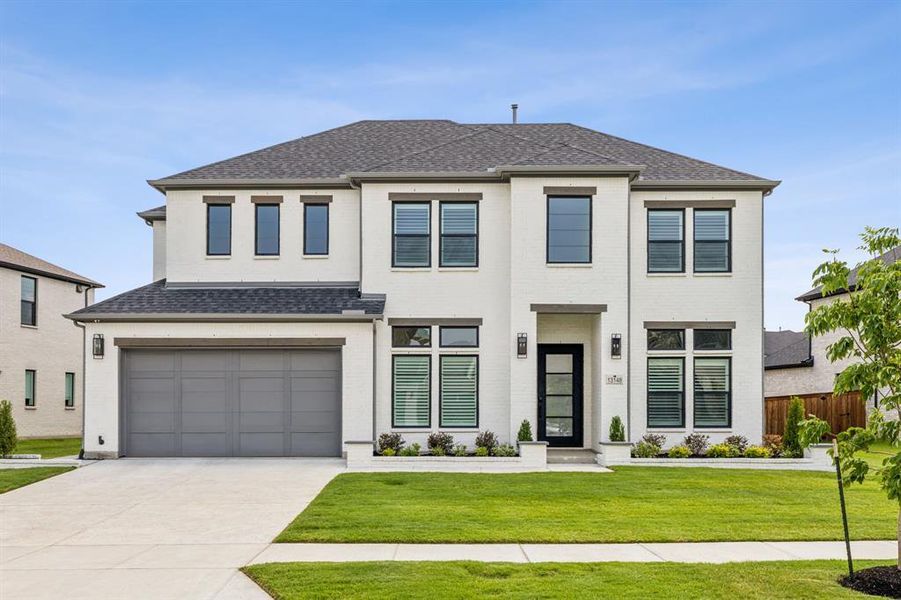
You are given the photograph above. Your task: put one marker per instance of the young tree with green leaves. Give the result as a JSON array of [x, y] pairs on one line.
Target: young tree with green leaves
[[868, 319], [8, 439]]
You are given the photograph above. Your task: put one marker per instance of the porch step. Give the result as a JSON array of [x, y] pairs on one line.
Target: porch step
[[570, 456]]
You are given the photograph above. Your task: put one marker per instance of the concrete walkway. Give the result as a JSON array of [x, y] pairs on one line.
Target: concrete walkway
[[151, 528], [701, 552]]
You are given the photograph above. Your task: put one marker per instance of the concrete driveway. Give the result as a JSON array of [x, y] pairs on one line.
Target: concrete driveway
[[151, 528]]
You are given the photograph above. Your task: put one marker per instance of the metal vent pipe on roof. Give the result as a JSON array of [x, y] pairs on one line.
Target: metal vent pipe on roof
[[514, 108]]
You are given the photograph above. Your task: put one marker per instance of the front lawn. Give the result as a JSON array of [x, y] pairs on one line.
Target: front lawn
[[11, 479], [378, 580], [634, 504], [49, 447]]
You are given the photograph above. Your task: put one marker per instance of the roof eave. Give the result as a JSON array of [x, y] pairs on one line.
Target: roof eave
[[149, 216], [765, 185], [102, 317], [163, 185], [76, 280]]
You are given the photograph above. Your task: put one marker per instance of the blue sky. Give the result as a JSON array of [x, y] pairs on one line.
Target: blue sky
[[95, 98]]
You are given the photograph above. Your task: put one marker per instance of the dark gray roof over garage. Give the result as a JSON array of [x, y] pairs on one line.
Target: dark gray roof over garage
[[158, 301], [441, 146], [890, 257], [786, 349]]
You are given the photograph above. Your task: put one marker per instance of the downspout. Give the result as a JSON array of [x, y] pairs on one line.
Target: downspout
[[84, 367], [374, 380], [629, 366]]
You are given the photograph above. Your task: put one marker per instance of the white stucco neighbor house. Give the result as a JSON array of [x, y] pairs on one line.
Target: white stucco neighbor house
[[421, 276], [41, 352]]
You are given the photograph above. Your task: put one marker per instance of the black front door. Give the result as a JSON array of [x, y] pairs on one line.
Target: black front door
[[560, 394]]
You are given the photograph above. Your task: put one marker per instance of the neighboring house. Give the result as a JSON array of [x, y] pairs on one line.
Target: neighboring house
[[417, 276], [41, 352]]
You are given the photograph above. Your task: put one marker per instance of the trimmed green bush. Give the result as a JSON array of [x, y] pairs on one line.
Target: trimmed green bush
[[617, 430], [645, 449], [460, 450], [481, 451], [739, 442], [395, 441], [505, 450], [757, 452], [389, 452], [438, 451], [8, 437], [443, 442], [486, 439], [722, 451], [791, 441], [525, 431], [679, 452], [411, 450]]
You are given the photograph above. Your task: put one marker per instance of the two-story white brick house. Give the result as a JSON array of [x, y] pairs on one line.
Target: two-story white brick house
[[418, 276]]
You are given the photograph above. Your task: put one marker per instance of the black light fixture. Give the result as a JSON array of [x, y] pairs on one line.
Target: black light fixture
[[97, 346], [616, 345], [522, 345]]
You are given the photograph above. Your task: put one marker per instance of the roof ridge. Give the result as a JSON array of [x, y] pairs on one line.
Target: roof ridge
[[436, 146], [517, 136], [666, 151]]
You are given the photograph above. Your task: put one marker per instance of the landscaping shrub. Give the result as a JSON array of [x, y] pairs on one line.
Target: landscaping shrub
[[389, 452], [722, 451], [791, 441], [773, 443], [644, 449], [679, 452], [739, 442], [654, 439], [617, 430], [525, 431], [757, 452], [438, 451], [441, 441], [697, 443], [411, 450], [486, 439], [395, 441], [481, 451], [505, 450], [460, 450], [8, 438]]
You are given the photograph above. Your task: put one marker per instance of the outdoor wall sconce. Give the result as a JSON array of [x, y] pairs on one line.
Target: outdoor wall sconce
[[97, 346], [616, 345], [522, 345]]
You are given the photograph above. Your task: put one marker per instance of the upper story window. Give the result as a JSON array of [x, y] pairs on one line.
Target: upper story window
[[29, 301], [267, 229], [713, 339], [412, 244], [459, 234], [315, 229], [218, 229], [411, 337], [666, 241], [459, 337], [568, 229], [666, 339], [712, 244]]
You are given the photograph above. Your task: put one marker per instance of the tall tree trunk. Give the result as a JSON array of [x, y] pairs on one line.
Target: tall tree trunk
[[899, 538]]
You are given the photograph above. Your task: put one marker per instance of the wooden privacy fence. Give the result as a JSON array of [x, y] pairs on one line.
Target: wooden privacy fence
[[841, 412]]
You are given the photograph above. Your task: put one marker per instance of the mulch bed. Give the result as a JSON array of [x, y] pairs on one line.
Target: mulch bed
[[878, 581]]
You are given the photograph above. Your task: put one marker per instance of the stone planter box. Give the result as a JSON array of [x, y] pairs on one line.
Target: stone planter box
[[614, 453], [815, 459], [361, 455]]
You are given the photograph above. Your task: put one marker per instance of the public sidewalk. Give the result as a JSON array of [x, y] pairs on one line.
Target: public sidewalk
[[701, 552]]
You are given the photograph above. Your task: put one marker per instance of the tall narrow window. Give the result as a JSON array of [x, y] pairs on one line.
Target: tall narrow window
[[411, 394], [315, 229], [412, 238], [70, 390], [712, 392], [267, 229], [459, 399], [568, 229], [666, 243], [30, 387], [459, 234], [666, 392], [712, 244], [29, 305], [218, 229]]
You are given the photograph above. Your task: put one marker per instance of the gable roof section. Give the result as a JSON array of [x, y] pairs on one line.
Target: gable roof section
[[786, 349], [13, 258], [441, 146], [890, 257]]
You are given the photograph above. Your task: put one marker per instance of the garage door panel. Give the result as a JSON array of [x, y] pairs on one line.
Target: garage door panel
[[143, 361], [314, 360], [262, 444], [315, 444], [151, 444], [313, 401], [261, 421], [205, 444], [261, 360], [200, 360], [315, 383], [315, 420], [204, 422], [151, 422]]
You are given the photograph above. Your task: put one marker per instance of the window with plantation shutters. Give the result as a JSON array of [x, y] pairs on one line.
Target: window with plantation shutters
[[666, 243], [412, 238], [712, 251], [666, 392], [459, 234], [411, 396], [459, 387], [712, 392]]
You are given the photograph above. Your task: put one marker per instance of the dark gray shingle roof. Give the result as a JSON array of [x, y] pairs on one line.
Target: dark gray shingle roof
[[890, 257], [13, 258], [157, 298], [446, 146], [786, 349]]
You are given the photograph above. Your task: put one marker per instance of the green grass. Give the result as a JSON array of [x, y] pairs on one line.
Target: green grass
[[634, 504], [49, 447], [11, 479], [452, 580], [878, 452]]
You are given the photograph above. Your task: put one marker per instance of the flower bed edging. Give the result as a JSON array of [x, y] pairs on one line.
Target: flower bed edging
[[360, 455], [815, 459]]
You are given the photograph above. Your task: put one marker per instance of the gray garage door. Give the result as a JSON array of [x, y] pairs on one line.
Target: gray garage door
[[232, 402]]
